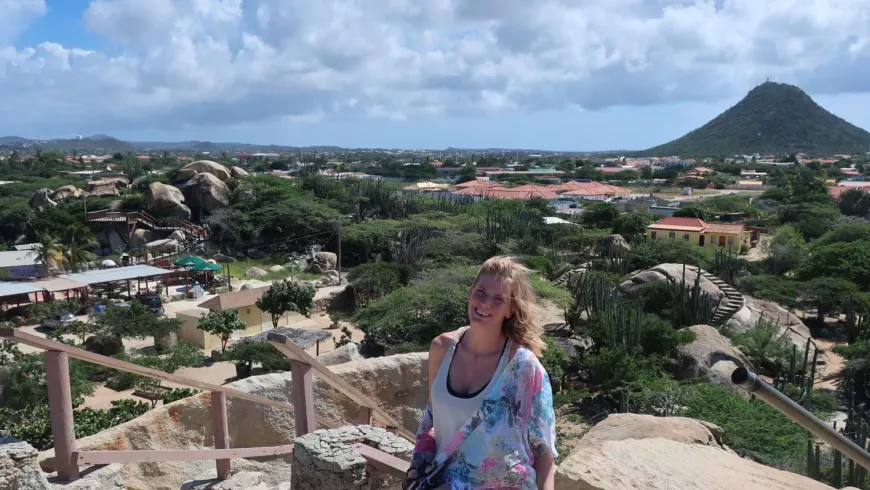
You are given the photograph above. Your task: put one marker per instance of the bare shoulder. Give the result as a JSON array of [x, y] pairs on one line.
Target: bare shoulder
[[440, 344]]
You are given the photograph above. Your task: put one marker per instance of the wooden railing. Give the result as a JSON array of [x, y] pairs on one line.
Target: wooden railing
[[68, 458], [142, 217]]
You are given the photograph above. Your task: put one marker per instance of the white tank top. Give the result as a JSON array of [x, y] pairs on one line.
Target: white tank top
[[449, 411]]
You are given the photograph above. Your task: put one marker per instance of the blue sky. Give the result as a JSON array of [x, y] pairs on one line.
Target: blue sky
[[559, 74]]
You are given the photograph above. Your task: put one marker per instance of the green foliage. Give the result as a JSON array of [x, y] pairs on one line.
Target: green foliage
[[849, 261], [811, 219], [222, 324], [600, 214], [9, 353], [826, 294], [546, 290], [727, 266], [613, 368], [848, 233], [691, 305], [409, 246], [773, 117], [419, 312], [134, 321], [377, 279], [592, 292], [694, 212], [854, 202], [650, 253], [346, 338], [47, 309], [659, 395], [751, 429], [786, 250], [631, 224], [764, 345], [287, 296], [178, 394], [539, 263], [361, 241], [556, 362], [778, 289], [247, 354]]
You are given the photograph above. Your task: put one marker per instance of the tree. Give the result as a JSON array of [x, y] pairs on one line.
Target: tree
[[694, 212], [467, 173], [47, 251], [287, 296], [222, 324], [785, 250], [826, 295], [134, 321], [764, 344], [855, 202], [76, 250], [600, 214], [632, 224], [849, 261]]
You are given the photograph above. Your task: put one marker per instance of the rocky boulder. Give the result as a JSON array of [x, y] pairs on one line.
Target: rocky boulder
[[142, 237], [237, 172], [397, 383], [255, 272], [165, 245], [18, 466], [340, 355], [41, 199], [709, 347], [614, 244], [663, 272], [110, 239], [322, 262], [204, 166], [105, 187], [167, 200], [208, 192], [666, 453], [276, 268], [791, 327], [67, 192]]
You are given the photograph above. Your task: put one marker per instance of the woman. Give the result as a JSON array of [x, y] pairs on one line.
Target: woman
[[485, 380]]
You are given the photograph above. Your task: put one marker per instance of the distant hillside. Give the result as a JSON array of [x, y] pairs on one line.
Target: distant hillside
[[772, 118]]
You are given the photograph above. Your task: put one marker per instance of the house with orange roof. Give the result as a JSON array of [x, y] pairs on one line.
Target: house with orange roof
[[591, 191], [700, 171], [700, 233]]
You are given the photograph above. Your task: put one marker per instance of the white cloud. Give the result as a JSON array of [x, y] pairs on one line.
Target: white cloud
[[221, 62]]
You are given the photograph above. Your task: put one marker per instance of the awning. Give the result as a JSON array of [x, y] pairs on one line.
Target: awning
[[16, 288], [118, 274], [56, 284]]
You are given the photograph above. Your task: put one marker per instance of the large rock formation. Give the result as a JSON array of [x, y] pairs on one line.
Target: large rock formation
[[18, 466], [142, 237], [340, 355], [663, 272], [105, 187], [167, 200], [204, 166], [208, 192], [667, 453], [110, 238], [41, 199], [614, 244], [66, 192], [237, 172], [397, 383], [700, 357]]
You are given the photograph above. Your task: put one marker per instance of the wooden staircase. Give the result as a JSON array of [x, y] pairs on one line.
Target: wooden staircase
[[134, 220], [734, 300]]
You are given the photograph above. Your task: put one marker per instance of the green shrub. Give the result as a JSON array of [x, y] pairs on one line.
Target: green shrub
[[556, 362], [540, 263], [375, 280]]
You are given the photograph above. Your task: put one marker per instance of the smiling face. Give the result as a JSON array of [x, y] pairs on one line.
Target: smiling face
[[489, 303]]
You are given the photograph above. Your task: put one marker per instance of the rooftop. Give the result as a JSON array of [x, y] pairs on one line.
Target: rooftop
[[679, 223], [16, 288], [116, 274], [234, 300], [18, 258], [303, 338]]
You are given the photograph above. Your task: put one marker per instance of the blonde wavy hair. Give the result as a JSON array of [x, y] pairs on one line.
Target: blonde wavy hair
[[522, 327]]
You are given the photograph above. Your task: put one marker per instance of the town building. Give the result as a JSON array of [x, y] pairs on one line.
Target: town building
[[698, 232]]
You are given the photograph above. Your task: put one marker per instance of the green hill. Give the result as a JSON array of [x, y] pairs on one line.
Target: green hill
[[772, 118]]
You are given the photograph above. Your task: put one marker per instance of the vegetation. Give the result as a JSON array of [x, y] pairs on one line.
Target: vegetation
[[284, 297], [222, 324]]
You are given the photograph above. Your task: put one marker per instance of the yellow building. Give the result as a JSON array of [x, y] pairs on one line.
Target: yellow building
[[697, 232], [245, 302]]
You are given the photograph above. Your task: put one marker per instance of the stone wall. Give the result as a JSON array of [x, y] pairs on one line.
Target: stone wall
[[18, 466], [397, 383], [325, 459]]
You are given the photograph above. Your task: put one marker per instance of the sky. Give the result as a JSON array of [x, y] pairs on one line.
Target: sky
[[572, 75]]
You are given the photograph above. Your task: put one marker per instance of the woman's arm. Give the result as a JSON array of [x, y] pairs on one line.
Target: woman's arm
[[424, 450], [545, 469]]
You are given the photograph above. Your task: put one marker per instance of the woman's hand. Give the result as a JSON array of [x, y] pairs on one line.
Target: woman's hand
[[411, 476]]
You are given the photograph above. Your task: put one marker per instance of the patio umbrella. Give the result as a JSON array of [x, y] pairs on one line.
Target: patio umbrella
[[189, 261]]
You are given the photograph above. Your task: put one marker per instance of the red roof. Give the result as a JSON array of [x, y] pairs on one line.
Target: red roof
[[681, 222], [837, 190], [478, 183]]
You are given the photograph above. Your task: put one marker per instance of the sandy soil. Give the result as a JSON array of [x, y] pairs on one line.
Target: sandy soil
[[831, 373]]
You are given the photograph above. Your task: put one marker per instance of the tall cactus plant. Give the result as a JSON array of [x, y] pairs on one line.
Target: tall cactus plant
[[692, 305]]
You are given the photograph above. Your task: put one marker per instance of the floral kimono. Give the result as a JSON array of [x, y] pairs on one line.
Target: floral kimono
[[515, 425]]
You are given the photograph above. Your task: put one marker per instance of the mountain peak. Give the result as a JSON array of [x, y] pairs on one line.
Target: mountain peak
[[772, 118]]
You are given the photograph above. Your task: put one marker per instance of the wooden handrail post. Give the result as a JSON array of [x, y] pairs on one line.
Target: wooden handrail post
[[221, 432], [303, 397], [61, 410], [365, 416]]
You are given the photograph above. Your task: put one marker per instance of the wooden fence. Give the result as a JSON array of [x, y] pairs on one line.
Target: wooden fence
[[68, 458]]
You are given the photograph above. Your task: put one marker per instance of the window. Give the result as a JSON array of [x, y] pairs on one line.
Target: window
[[653, 235], [672, 235], [731, 240], [686, 237], [713, 240]]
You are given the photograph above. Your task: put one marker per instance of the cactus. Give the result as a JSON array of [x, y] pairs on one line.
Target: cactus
[[592, 295], [791, 364], [624, 324], [726, 266], [692, 306]]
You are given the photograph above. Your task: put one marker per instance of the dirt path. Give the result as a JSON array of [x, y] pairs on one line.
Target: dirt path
[[831, 373]]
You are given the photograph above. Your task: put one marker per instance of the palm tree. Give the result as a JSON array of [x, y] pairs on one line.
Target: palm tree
[[76, 251], [47, 250]]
